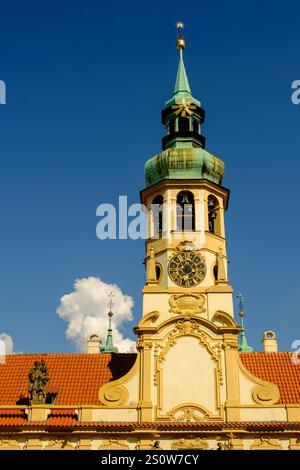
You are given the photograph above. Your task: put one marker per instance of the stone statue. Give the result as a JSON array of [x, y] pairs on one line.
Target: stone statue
[[223, 446], [38, 377]]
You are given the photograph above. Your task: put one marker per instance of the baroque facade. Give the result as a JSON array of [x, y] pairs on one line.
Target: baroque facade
[[191, 385]]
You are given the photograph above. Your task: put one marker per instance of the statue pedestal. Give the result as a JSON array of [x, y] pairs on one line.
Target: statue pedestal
[[38, 412]]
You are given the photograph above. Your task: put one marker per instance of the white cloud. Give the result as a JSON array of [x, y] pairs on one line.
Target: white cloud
[[6, 346], [85, 309]]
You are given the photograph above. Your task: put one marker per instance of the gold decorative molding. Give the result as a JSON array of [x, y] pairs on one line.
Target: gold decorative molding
[[149, 318], [189, 412], [266, 443], [224, 319], [143, 343], [114, 443], [146, 324], [231, 343], [187, 304], [263, 392], [196, 443], [207, 324], [114, 394]]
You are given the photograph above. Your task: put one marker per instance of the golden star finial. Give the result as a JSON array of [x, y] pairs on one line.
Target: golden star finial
[[179, 25]]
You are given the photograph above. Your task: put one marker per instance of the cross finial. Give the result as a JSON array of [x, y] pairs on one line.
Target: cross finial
[[243, 347], [109, 346], [110, 303], [241, 304]]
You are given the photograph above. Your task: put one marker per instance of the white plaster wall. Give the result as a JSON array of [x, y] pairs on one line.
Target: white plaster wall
[[188, 375], [246, 386], [219, 301], [117, 414], [133, 388], [263, 414], [158, 302]]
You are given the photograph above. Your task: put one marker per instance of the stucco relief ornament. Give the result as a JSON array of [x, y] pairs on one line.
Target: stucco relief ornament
[[187, 414], [186, 245], [186, 443], [114, 443], [9, 444], [266, 443], [59, 444], [231, 344], [187, 326], [187, 304]]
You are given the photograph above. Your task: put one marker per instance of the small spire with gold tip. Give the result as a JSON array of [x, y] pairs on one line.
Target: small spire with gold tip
[[243, 347], [109, 346]]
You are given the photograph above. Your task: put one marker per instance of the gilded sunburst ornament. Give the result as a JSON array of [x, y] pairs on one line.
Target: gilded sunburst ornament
[[184, 107]]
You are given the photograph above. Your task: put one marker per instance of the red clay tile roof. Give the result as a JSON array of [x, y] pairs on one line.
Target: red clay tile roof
[[75, 378], [61, 418], [196, 425], [12, 417], [68, 420], [277, 368]]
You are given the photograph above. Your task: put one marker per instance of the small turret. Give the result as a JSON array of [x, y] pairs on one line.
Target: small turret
[[243, 347], [109, 345]]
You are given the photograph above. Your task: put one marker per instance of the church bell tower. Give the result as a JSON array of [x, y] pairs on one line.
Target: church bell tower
[[186, 257], [188, 367]]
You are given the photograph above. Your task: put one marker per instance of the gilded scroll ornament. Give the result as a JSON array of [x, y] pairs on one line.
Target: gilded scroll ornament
[[113, 395]]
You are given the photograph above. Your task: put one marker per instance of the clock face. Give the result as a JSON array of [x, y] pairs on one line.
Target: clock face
[[187, 269]]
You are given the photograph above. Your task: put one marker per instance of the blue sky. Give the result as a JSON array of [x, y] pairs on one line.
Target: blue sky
[[86, 81]]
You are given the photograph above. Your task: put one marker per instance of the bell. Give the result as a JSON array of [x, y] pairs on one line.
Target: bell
[[211, 204], [185, 199]]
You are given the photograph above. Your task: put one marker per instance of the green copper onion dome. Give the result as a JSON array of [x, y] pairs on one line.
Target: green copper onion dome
[[184, 163], [184, 155]]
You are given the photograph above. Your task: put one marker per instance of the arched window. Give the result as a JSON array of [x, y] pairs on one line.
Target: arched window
[[213, 215], [215, 272], [195, 125], [171, 127], [158, 271], [184, 124], [185, 211], [157, 211]]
